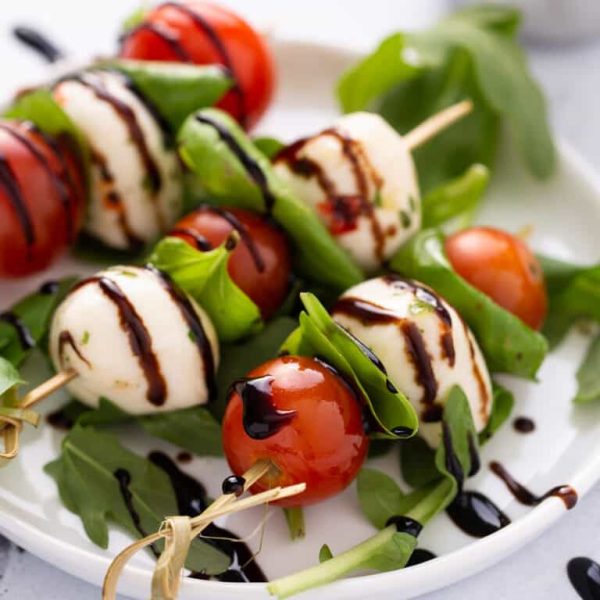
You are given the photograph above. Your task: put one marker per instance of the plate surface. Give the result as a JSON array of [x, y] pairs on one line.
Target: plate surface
[[565, 447]]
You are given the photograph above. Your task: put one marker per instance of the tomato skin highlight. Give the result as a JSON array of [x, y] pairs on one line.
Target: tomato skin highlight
[[216, 36], [260, 264], [502, 266], [323, 445], [42, 198]]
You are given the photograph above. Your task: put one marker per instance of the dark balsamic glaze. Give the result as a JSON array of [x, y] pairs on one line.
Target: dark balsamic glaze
[[405, 525], [49, 287], [200, 241], [59, 419], [371, 356], [124, 478], [65, 338], [419, 555], [184, 457], [261, 418], [193, 321], [23, 334], [252, 167], [14, 194], [483, 391], [234, 484], [565, 492], [138, 335], [191, 501], [170, 38], [473, 454], [584, 575], [39, 42], [523, 425]]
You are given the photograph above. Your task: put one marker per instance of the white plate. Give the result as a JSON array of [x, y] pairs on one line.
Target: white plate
[[565, 447]]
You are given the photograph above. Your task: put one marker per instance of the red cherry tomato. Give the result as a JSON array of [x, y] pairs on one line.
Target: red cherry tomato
[[41, 198], [305, 418], [204, 33], [260, 264], [503, 267]]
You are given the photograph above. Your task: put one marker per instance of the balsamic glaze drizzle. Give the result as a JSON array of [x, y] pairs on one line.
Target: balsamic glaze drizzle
[[405, 525], [49, 287], [25, 336], [200, 241], [565, 492], [165, 34], [59, 419], [584, 575], [65, 338], [419, 555], [38, 42], [523, 425]]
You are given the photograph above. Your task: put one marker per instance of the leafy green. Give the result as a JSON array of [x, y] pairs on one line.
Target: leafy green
[[508, 344], [175, 89], [459, 196], [204, 276], [472, 53], [294, 517], [269, 146], [573, 293], [588, 375], [502, 407], [215, 158], [85, 475], [9, 376], [417, 463], [34, 313], [319, 335], [380, 497]]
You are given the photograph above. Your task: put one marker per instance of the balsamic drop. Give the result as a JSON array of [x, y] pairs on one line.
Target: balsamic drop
[[476, 514], [234, 484], [419, 555], [584, 575], [405, 525]]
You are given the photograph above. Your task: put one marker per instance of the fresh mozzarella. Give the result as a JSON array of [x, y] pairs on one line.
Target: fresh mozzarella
[[134, 338], [360, 178], [136, 187], [422, 342]]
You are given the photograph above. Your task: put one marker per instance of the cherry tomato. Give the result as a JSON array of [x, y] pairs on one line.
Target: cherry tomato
[[41, 198], [204, 33], [503, 267], [260, 264], [297, 412]]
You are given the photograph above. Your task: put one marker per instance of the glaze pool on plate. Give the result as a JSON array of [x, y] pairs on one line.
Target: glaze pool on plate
[[564, 448]]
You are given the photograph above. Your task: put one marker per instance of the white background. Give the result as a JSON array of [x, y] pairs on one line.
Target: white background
[[571, 78]]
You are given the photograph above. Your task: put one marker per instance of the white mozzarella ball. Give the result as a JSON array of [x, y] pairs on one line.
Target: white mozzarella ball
[[136, 180], [360, 178], [424, 345], [135, 339]]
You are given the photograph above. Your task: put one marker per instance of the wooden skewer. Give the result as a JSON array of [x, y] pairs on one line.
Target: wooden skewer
[[438, 122], [48, 387]]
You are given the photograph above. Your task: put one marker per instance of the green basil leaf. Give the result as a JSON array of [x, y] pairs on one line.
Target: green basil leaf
[[175, 90], [9, 380], [502, 408], [379, 496], [85, 475], [508, 344], [459, 196], [212, 149], [501, 19], [588, 375], [204, 276], [269, 146], [319, 335], [34, 313], [325, 553], [417, 462]]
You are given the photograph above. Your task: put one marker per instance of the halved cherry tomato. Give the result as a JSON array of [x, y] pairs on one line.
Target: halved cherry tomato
[[297, 412], [503, 267], [204, 33], [41, 198], [260, 264]]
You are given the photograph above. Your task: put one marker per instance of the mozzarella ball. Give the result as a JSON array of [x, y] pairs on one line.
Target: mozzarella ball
[[424, 345], [360, 178], [135, 179], [135, 339]]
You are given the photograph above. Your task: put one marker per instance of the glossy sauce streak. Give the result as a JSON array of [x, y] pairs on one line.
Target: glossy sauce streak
[[191, 501], [170, 38], [37, 41], [252, 167], [200, 241], [261, 418], [484, 407], [190, 316], [419, 555], [584, 575], [565, 492], [66, 339], [405, 525], [140, 341], [25, 337], [523, 425]]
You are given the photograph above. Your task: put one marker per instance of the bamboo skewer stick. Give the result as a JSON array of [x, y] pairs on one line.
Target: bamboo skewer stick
[[47, 388]]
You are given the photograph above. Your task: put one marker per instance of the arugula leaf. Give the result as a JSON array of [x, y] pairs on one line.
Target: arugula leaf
[[319, 335], [588, 375], [573, 293], [212, 149], [204, 276], [34, 312], [175, 89], [269, 146], [85, 475], [508, 344], [459, 196], [502, 407]]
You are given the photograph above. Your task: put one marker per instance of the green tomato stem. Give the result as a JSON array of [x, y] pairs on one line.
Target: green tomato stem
[[295, 521]]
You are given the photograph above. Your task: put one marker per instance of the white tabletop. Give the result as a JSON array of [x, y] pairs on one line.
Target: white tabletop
[[571, 78]]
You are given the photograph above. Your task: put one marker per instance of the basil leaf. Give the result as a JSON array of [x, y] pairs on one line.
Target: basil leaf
[[269, 146], [508, 344], [85, 475], [379, 496], [502, 408], [319, 335], [459, 196], [9, 380], [212, 149], [573, 293], [204, 276], [417, 463], [33, 314], [175, 90], [588, 375]]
